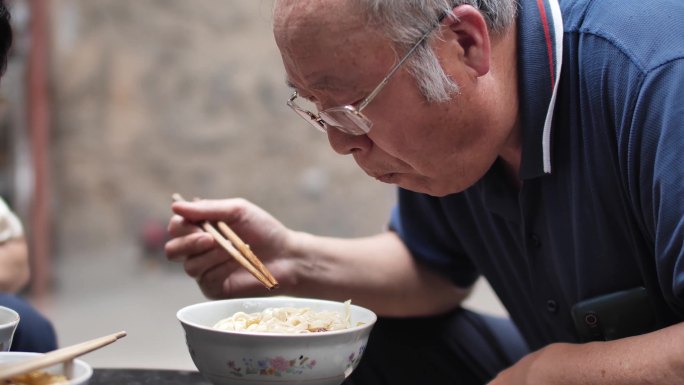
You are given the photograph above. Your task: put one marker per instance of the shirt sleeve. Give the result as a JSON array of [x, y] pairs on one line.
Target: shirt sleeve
[[10, 226], [654, 168], [421, 223]]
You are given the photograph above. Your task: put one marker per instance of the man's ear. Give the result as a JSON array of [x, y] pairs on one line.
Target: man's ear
[[469, 29]]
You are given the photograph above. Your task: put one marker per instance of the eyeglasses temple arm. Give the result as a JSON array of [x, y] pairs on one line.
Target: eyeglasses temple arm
[[384, 81]]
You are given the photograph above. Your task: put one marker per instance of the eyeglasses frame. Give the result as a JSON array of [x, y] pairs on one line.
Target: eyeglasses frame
[[316, 120]]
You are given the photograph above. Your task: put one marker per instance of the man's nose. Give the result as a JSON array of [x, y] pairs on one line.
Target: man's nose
[[347, 144]]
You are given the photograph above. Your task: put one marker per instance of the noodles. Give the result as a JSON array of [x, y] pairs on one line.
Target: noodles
[[35, 378], [290, 320]]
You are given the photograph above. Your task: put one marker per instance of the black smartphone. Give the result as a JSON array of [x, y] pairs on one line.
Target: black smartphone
[[615, 315]]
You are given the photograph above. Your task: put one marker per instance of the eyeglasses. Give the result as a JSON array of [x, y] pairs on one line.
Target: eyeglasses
[[348, 118]]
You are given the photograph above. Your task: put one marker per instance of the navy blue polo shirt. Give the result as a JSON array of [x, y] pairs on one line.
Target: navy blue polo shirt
[[609, 213]]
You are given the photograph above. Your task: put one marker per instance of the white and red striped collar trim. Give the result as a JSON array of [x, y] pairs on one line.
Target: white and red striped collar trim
[[553, 33]]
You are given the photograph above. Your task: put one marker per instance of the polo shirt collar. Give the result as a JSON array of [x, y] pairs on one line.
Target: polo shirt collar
[[540, 53]]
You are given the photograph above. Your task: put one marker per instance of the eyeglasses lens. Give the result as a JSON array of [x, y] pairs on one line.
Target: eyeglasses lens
[[347, 121], [306, 114], [345, 118]]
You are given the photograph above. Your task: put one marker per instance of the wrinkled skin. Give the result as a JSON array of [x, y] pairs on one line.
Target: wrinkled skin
[[216, 272], [436, 148]]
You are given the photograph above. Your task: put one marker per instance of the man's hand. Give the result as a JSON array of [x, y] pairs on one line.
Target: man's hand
[[653, 358], [217, 273]]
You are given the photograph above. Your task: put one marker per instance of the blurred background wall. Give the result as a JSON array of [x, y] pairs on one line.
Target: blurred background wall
[[156, 96], [151, 97], [140, 99], [144, 98]]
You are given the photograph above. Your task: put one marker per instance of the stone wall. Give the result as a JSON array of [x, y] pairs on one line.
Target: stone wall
[[153, 97]]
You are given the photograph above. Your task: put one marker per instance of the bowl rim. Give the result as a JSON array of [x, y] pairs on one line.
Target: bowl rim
[[15, 315], [367, 325], [85, 376]]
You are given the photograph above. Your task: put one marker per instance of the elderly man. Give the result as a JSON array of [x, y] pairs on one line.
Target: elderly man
[[535, 142]]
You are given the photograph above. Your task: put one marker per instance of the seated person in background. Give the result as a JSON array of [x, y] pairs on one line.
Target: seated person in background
[[34, 333]]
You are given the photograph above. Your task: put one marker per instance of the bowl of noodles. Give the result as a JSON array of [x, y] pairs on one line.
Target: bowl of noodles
[[76, 373], [276, 340]]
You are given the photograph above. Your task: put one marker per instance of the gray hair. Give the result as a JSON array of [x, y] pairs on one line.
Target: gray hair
[[405, 21]]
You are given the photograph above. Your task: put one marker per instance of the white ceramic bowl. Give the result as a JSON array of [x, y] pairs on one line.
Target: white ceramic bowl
[[242, 358], [80, 374], [9, 320]]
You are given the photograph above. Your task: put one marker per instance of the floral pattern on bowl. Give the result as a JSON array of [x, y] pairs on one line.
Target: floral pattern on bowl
[[274, 366], [278, 366], [354, 358]]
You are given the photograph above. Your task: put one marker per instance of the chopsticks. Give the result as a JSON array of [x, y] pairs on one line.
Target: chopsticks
[[239, 250], [54, 357]]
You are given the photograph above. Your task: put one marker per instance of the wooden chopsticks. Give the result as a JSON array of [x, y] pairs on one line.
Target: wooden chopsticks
[[56, 356], [237, 249]]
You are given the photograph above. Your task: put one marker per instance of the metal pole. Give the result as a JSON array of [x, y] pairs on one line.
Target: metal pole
[[39, 133]]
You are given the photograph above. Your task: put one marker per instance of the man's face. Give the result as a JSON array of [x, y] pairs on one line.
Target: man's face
[[334, 59]]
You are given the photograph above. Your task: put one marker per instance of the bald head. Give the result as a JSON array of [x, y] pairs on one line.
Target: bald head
[[296, 21], [319, 39], [295, 12], [360, 29]]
